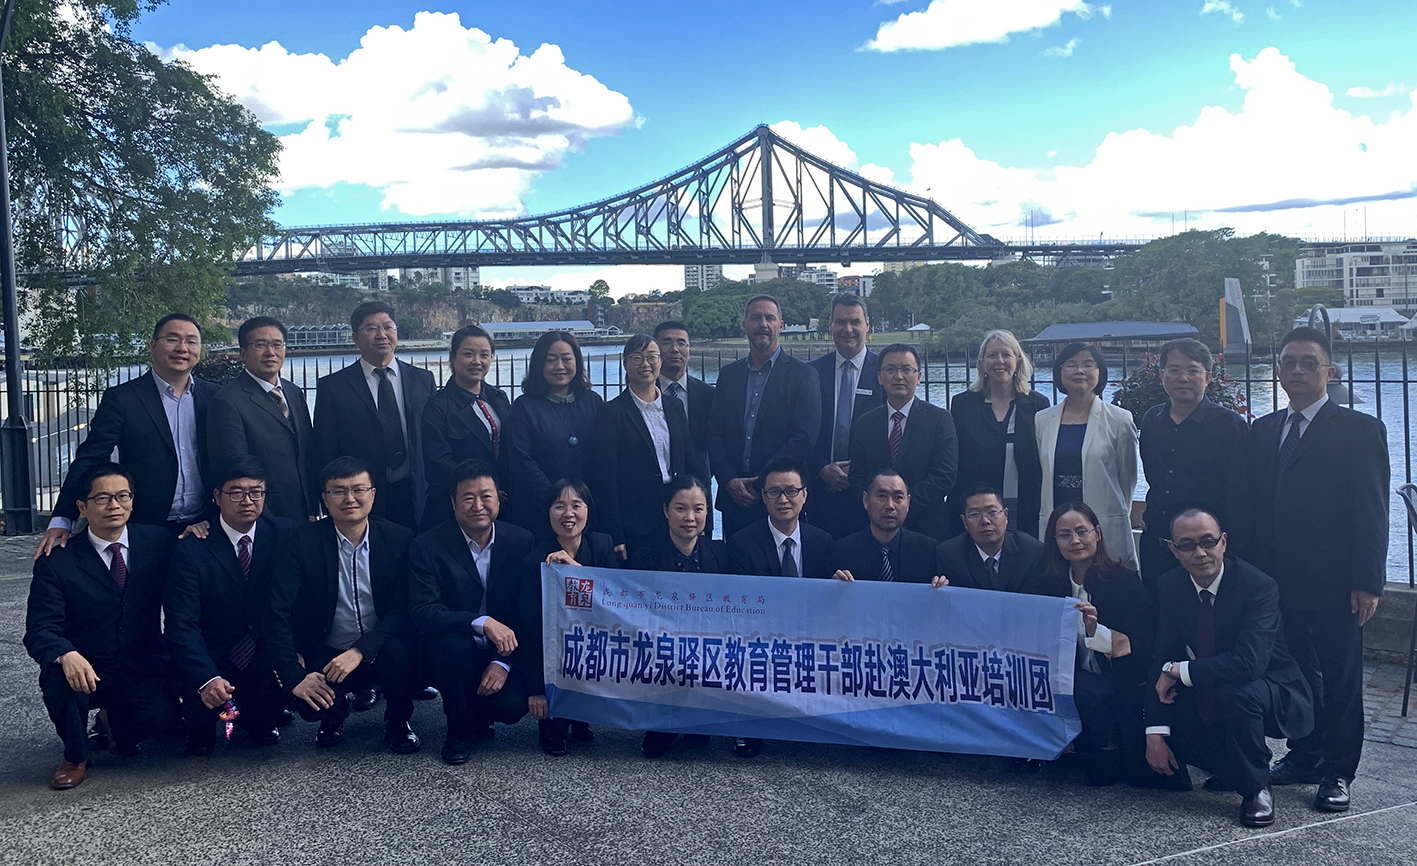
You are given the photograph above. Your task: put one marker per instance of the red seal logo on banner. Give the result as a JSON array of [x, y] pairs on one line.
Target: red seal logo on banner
[[580, 591]]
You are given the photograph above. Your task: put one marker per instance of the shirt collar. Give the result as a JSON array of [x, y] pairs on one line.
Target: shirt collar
[[894, 544], [986, 557], [102, 546], [568, 397], [682, 381], [346, 544], [1310, 412], [235, 536], [472, 545], [904, 410], [165, 388], [856, 360], [1203, 410], [369, 368], [768, 364], [778, 538], [265, 386], [657, 404], [1214, 584]]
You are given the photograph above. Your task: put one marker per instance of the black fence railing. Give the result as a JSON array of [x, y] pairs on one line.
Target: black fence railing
[[1378, 377]]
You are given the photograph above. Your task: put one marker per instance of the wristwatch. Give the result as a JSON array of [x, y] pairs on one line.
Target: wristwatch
[[1170, 670]]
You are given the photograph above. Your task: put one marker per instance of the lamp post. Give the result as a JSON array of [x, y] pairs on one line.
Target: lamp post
[[15, 483]]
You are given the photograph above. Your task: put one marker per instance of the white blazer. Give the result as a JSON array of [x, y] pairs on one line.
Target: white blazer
[[1109, 471]]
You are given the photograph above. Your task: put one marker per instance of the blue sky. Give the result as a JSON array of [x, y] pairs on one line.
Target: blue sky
[[1104, 112]]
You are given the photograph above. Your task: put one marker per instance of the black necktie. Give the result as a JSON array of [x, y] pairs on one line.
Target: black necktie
[[789, 565], [1205, 648], [887, 572], [674, 389], [1290, 445], [992, 565], [389, 422]]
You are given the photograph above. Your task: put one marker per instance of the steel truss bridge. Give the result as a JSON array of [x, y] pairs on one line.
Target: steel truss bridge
[[761, 198]]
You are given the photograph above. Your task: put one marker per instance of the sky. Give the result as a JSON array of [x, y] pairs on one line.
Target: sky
[[1124, 119]]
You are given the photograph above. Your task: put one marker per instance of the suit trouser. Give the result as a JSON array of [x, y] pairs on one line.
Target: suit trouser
[[1232, 745], [458, 666], [256, 694], [394, 669], [1156, 559], [139, 706], [1328, 645]]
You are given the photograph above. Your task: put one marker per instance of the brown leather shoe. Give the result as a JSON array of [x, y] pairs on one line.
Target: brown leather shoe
[[1258, 811], [68, 775]]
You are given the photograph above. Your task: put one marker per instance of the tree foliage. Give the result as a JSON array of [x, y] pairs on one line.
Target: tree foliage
[[134, 172], [718, 312]]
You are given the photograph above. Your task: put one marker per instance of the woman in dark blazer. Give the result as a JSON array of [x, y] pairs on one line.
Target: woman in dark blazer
[[994, 422], [1115, 638], [551, 426], [642, 439], [465, 420], [684, 547], [563, 538]]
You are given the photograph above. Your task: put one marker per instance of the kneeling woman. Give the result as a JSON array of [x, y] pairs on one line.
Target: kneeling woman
[[568, 507], [683, 548], [1114, 641]]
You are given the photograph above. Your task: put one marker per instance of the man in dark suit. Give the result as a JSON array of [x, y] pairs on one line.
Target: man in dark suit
[[373, 410], [766, 405], [675, 348], [1319, 484], [215, 597], [911, 436], [850, 387], [1224, 679], [155, 422], [990, 555], [337, 616], [93, 625], [479, 609], [781, 545], [265, 416], [884, 550], [465, 420]]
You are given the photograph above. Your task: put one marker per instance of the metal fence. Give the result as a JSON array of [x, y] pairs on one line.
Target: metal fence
[[1378, 376]]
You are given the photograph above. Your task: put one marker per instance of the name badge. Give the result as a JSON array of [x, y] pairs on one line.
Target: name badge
[[863, 392]]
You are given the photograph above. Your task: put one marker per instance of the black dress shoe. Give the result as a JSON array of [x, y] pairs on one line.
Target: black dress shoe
[[200, 743], [401, 738], [1216, 783], [456, 751], [482, 732], [696, 739], [1258, 811], [331, 732], [264, 737], [1333, 795], [127, 751], [1288, 772], [581, 732], [365, 699], [551, 734], [428, 694], [656, 743], [286, 717], [1027, 766], [747, 747], [1103, 769]]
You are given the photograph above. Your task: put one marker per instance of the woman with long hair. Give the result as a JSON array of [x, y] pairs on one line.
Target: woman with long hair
[[1115, 636]]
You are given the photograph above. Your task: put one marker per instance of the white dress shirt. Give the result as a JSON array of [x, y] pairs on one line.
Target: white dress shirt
[[658, 424], [1308, 415], [102, 547], [235, 537], [778, 538], [1101, 640], [683, 383], [372, 380], [354, 604], [890, 417], [482, 558], [1183, 669], [840, 362]]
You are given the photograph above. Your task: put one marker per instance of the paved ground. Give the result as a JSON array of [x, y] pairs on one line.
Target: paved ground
[[796, 803]]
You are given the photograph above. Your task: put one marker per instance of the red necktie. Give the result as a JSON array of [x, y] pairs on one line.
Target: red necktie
[[243, 555], [118, 568], [897, 434], [245, 648]]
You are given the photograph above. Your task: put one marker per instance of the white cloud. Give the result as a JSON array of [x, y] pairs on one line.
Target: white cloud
[[1297, 4], [441, 118], [950, 23], [1273, 16], [1394, 88], [817, 140], [1063, 50], [1224, 7]]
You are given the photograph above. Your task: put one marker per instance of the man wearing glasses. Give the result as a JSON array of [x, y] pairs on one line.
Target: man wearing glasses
[[263, 415], [1222, 676], [216, 594], [337, 616], [154, 421], [373, 410], [911, 436], [1319, 483], [990, 555], [93, 625]]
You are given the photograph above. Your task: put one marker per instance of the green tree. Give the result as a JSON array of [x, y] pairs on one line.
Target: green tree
[[600, 293], [136, 173], [924, 294], [504, 298]]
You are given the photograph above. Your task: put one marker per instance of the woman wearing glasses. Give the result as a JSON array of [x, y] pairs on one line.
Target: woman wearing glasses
[[1114, 642], [1087, 448], [994, 421], [642, 440], [551, 424]]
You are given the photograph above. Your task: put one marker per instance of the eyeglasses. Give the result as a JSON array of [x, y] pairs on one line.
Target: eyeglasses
[[1082, 534], [358, 492], [263, 345], [1183, 372], [371, 330], [103, 500], [1308, 365], [1074, 366], [172, 341], [892, 372], [783, 492], [976, 516], [239, 495], [1207, 542], [637, 359]]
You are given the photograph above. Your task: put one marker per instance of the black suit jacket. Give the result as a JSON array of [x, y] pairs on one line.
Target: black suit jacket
[[446, 590], [131, 418], [839, 513], [624, 474], [982, 453], [1123, 605], [300, 607], [787, 423], [1321, 530], [1020, 565], [699, 411], [75, 604], [453, 431], [929, 453], [752, 551], [713, 556], [209, 604], [244, 419], [860, 554], [1249, 643], [347, 422], [597, 550]]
